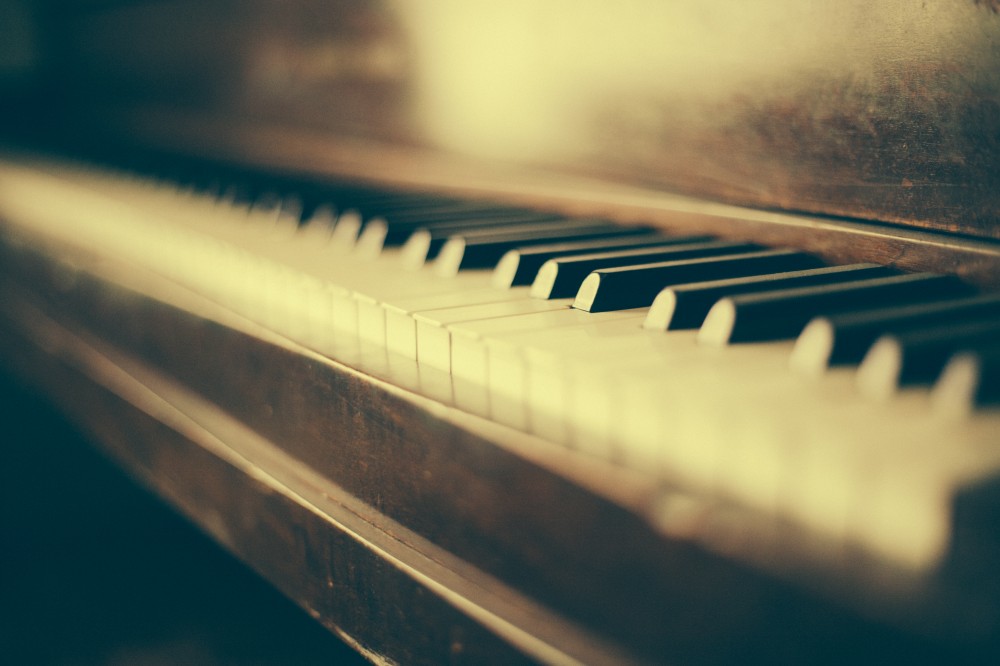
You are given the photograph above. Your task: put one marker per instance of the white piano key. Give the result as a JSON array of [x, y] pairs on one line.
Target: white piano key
[[469, 362], [557, 366], [547, 402], [346, 231], [469, 339], [968, 381], [710, 436], [507, 382], [471, 397], [401, 292], [586, 379], [510, 356], [434, 337], [401, 326], [319, 228]]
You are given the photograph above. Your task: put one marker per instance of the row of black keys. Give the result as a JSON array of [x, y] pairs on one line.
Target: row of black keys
[[736, 292]]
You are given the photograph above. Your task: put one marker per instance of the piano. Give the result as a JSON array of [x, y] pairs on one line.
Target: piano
[[548, 332]]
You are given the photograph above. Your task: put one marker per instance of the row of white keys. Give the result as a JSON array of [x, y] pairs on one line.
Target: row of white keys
[[59, 206], [648, 399], [434, 327], [246, 260], [351, 282], [469, 355], [402, 292], [363, 291], [271, 265], [370, 288], [614, 382], [732, 421], [735, 421], [420, 325], [489, 352], [346, 279], [240, 256], [401, 313], [597, 397], [560, 383]]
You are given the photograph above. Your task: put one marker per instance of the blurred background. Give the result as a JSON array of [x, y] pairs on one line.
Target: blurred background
[[95, 570]]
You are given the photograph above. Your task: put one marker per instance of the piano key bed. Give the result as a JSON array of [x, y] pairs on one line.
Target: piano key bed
[[824, 435]]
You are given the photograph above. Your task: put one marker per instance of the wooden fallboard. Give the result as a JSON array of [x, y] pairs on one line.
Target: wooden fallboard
[[177, 141], [886, 111]]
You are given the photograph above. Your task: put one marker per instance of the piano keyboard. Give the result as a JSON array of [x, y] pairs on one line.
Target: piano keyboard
[[676, 357]]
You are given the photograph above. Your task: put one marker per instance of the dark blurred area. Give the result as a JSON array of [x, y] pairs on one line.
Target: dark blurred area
[[885, 111], [96, 570], [28, 96], [67, 69], [19, 59]]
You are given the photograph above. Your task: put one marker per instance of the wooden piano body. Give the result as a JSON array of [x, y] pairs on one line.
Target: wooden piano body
[[367, 488]]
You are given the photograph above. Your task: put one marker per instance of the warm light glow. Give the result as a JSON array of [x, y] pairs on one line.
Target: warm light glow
[[532, 81]]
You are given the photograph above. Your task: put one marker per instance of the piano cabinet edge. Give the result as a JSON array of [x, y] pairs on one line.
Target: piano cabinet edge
[[190, 139], [357, 587], [326, 569], [498, 525], [490, 553]]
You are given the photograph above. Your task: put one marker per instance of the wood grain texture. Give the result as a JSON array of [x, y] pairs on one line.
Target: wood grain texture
[[880, 111]]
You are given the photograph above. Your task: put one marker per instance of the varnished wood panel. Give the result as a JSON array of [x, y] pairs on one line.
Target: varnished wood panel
[[883, 110]]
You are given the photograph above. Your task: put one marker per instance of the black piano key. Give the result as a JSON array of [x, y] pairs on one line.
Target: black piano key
[[483, 250], [324, 215], [291, 208], [628, 287], [919, 356], [238, 194], [370, 204], [315, 199], [415, 218], [391, 230], [402, 210], [783, 314], [412, 212], [840, 339], [375, 200], [250, 188], [359, 208], [970, 379], [309, 195], [562, 277], [685, 306], [519, 266], [425, 243], [284, 211]]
